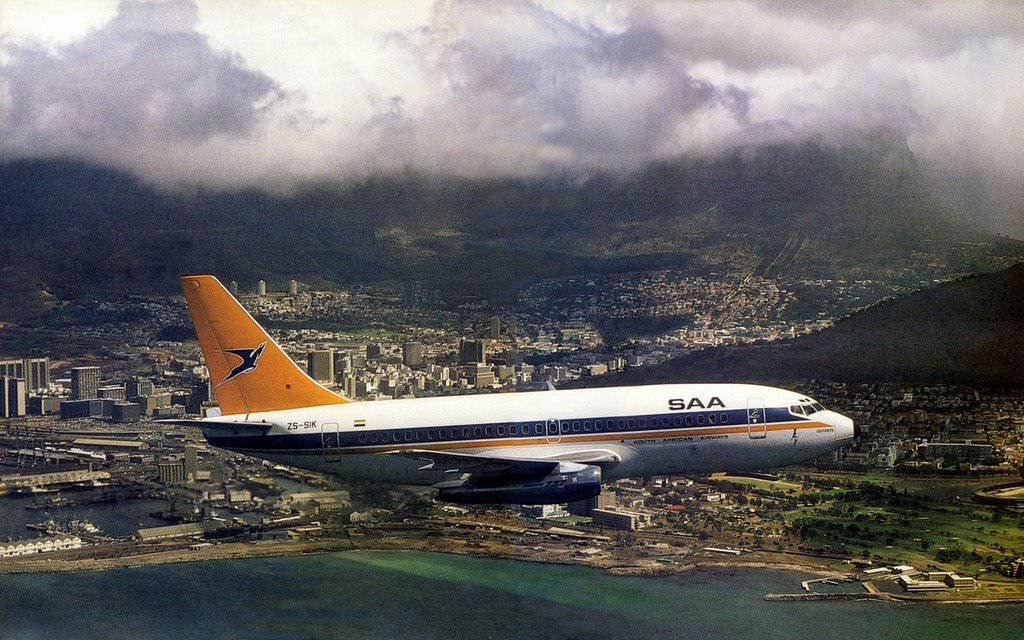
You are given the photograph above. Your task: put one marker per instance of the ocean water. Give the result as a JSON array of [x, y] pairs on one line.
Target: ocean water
[[122, 518], [368, 594]]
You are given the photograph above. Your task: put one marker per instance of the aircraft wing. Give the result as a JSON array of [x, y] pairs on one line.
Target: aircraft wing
[[478, 464], [484, 478], [224, 427], [486, 465]]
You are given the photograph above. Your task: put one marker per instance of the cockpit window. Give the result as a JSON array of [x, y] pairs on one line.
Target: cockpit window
[[797, 409], [817, 407]]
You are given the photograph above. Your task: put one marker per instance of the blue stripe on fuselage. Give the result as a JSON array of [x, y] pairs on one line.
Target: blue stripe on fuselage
[[479, 434]]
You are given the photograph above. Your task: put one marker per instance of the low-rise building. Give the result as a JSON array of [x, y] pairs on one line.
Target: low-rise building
[[39, 545]]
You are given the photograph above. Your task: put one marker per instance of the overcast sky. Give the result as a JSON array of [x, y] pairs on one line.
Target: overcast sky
[[277, 92]]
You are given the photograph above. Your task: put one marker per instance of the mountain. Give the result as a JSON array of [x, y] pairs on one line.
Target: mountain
[[969, 332], [858, 211]]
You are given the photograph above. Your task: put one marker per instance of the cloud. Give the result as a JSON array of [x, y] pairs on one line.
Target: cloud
[[275, 94]]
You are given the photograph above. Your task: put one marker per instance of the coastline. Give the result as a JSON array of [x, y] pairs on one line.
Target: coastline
[[177, 554]]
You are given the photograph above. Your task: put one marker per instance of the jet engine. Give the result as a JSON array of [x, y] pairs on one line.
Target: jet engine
[[568, 481]]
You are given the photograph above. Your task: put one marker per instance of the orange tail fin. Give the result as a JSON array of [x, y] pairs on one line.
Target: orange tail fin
[[249, 372]]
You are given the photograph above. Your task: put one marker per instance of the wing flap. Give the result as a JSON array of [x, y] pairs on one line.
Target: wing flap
[[478, 464]]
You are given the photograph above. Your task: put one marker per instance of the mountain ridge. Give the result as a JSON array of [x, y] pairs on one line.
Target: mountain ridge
[[970, 332], [857, 211]]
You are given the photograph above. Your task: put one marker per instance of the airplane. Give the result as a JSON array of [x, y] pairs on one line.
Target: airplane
[[539, 447]]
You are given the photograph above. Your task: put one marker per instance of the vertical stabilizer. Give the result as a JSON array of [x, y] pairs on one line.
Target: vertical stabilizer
[[249, 372]]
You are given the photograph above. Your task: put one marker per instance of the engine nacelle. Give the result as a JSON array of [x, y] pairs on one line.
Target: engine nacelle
[[568, 482]]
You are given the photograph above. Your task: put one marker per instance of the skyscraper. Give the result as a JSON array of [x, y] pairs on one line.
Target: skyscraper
[[34, 371], [320, 365], [261, 288], [412, 354], [472, 351], [191, 464], [37, 373], [12, 402], [85, 382], [293, 287], [494, 328], [139, 388]]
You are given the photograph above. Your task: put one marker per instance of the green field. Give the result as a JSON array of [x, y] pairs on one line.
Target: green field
[[888, 520]]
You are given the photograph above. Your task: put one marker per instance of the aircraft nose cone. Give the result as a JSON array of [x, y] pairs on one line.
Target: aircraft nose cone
[[844, 427]]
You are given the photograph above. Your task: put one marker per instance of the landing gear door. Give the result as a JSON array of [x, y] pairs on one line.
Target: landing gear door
[[329, 440], [756, 419]]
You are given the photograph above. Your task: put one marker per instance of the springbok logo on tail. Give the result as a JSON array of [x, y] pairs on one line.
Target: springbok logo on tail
[[248, 363]]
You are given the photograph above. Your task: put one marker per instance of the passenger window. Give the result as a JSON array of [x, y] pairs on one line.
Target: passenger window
[[513, 429], [712, 418], [454, 433], [395, 436], [362, 438], [501, 430], [488, 431], [632, 424], [476, 432], [587, 426], [724, 418], [664, 422], [431, 435], [700, 419], [565, 427], [373, 437], [598, 426], [408, 436], [465, 432], [576, 427], [677, 421]]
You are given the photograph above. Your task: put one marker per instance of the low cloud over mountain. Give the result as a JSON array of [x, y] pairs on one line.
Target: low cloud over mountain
[[260, 93]]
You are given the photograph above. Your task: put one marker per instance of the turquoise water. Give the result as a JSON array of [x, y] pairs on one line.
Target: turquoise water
[[422, 595]]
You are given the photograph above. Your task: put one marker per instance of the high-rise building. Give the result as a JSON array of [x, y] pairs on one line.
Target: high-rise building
[[233, 287], [293, 287], [111, 392], [139, 388], [373, 350], [34, 371], [494, 328], [191, 463], [261, 288], [342, 364], [85, 382], [478, 375], [320, 365], [472, 352], [412, 354], [12, 404], [12, 368]]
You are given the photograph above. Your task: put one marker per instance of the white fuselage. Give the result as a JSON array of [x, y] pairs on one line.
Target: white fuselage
[[633, 431]]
